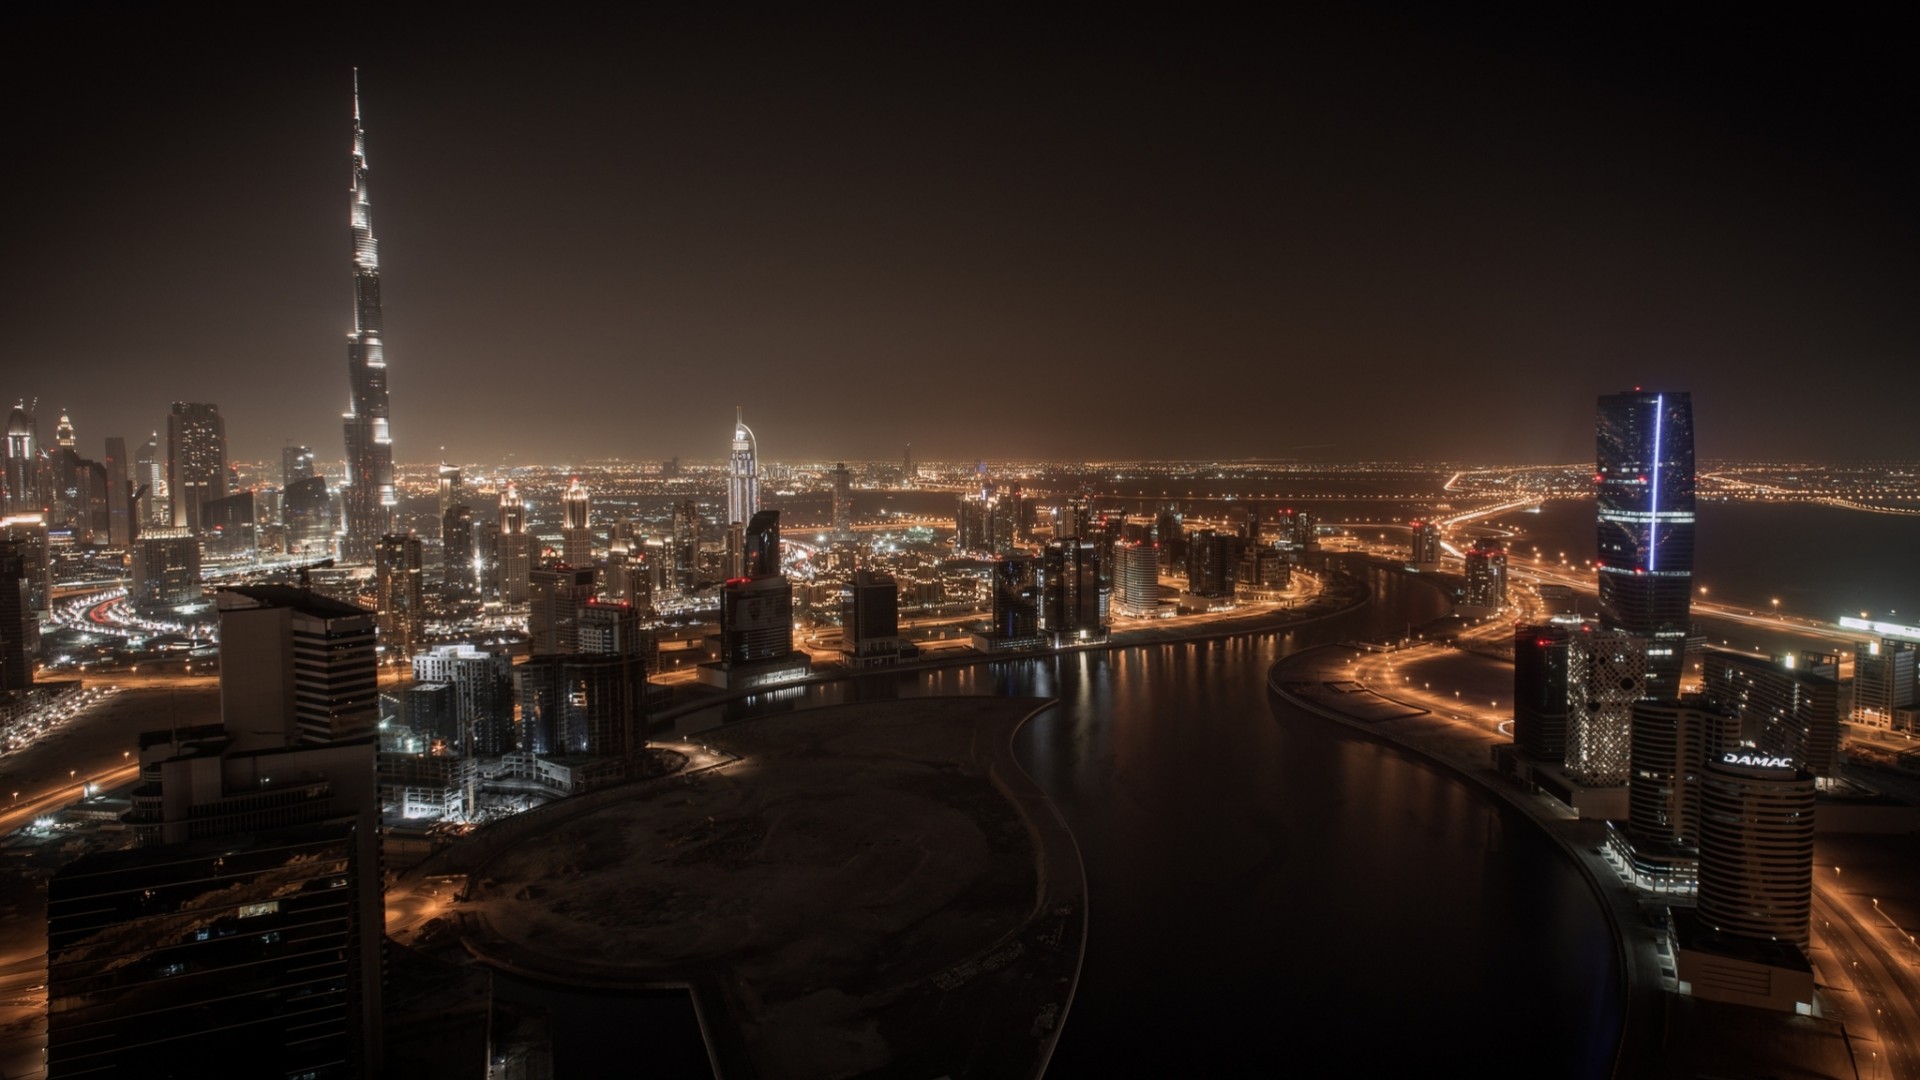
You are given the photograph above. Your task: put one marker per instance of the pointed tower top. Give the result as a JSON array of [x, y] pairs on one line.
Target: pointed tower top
[[356, 95]]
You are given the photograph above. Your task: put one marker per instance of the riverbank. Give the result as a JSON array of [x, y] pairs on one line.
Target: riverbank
[[1318, 681]]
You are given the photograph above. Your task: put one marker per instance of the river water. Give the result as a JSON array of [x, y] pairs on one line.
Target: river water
[[1270, 891]]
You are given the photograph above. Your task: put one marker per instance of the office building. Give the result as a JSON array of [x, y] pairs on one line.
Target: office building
[[513, 552], [296, 464], [1136, 577], [19, 629], [582, 705], [20, 464], [870, 625], [616, 628], [29, 531], [986, 523], [1070, 592], [307, 510], [1540, 692], [1426, 545], [246, 928], [369, 494], [295, 667], [756, 615], [1014, 622], [229, 525], [555, 596], [1644, 491], [121, 523], [1883, 680], [842, 478], [1672, 742], [683, 567], [1169, 532], [482, 696], [1213, 563], [576, 533], [166, 569], [1486, 579], [196, 461], [1789, 706], [1606, 674], [743, 473], [456, 549], [399, 582]]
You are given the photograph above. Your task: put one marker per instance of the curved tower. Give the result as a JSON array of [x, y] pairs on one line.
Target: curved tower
[[369, 495], [743, 473]]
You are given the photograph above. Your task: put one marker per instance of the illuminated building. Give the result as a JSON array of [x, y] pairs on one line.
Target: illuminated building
[[1213, 563], [1486, 578], [295, 667], [1606, 674], [399, 584], [582, 705], [1644, 490], [152, 505], [1540, 692], [121, 525], [1070, 591], [1883, 680], [20, 456], [196, 461], [906, 466], [615, 628], [246, 926], [1426, 545], [1790, 706], [870, 626], [19, 629], [743, 473], [29, 531], [842, 502], [1263, 570], [684, 567], [75, 489], [483, 695], [513, 560], [1169, 532], [985, 523], [756, 615], [1672, 742], [296, 464], [576, 508], [370, 496], [1136, 578], [166, 569], [555, 596], [308, 513], [1756, 846]]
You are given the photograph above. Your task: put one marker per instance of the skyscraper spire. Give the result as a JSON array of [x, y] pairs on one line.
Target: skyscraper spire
[[743, 472], [370, 494]]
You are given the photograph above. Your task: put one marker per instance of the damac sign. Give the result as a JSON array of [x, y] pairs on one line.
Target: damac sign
[[1757, 760]]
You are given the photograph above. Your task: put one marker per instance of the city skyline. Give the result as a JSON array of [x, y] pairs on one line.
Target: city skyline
[[1166, 210]]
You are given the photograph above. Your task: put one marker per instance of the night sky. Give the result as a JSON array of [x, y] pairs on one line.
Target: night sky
[[991, 235]]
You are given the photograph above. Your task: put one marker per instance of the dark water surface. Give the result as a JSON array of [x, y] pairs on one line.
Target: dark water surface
[[1270, 891]]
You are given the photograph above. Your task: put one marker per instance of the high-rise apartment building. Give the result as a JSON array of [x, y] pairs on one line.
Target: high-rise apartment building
[[1136, 578], [399, 582], [1672, 743], [196, 461], [295, 667], [370, 495], [1606, 674], [1426, 545], [1486, 577], [870, 625], [18, 626], [1644, 491], [1070, 591], [743, 473], [1883, 680], [555, 596], [483, 695], [683, 568], [307, 511], [20, 464], [1213, 563], [166, 569], [121, 523], [1756, 847], [1014, 621], [152, 506]]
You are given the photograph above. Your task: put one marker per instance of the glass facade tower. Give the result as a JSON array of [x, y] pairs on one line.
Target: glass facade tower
[[370, 495], [1644, 488]]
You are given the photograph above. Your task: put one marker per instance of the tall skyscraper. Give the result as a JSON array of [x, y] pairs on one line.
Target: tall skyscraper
[[513, 560], [1790, 705], [1486, 577], [870, 624], [20, 455], [1070, 591], [1883, 680], [166, 569], [555, 595], [17, 623], [120, 520], [1756, 847], [576, 534], [196, 460], [370, 494], [1540, 692], [743, 473], [683, 569], [399, 584], [295, 667], [842, 501], [1213, 563], [153, 508], [1644, 488], [1137, 577], [1426, 545]]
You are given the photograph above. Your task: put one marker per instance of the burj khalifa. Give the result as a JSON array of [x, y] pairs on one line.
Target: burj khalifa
[[369, 494]]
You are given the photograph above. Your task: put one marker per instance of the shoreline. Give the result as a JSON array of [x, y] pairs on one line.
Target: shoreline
[[1632, 978]]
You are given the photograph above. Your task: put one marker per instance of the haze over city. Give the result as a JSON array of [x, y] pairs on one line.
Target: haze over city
[[1332, 236]]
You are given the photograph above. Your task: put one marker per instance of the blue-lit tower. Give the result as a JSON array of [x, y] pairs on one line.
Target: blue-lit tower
[[1644, 488]]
